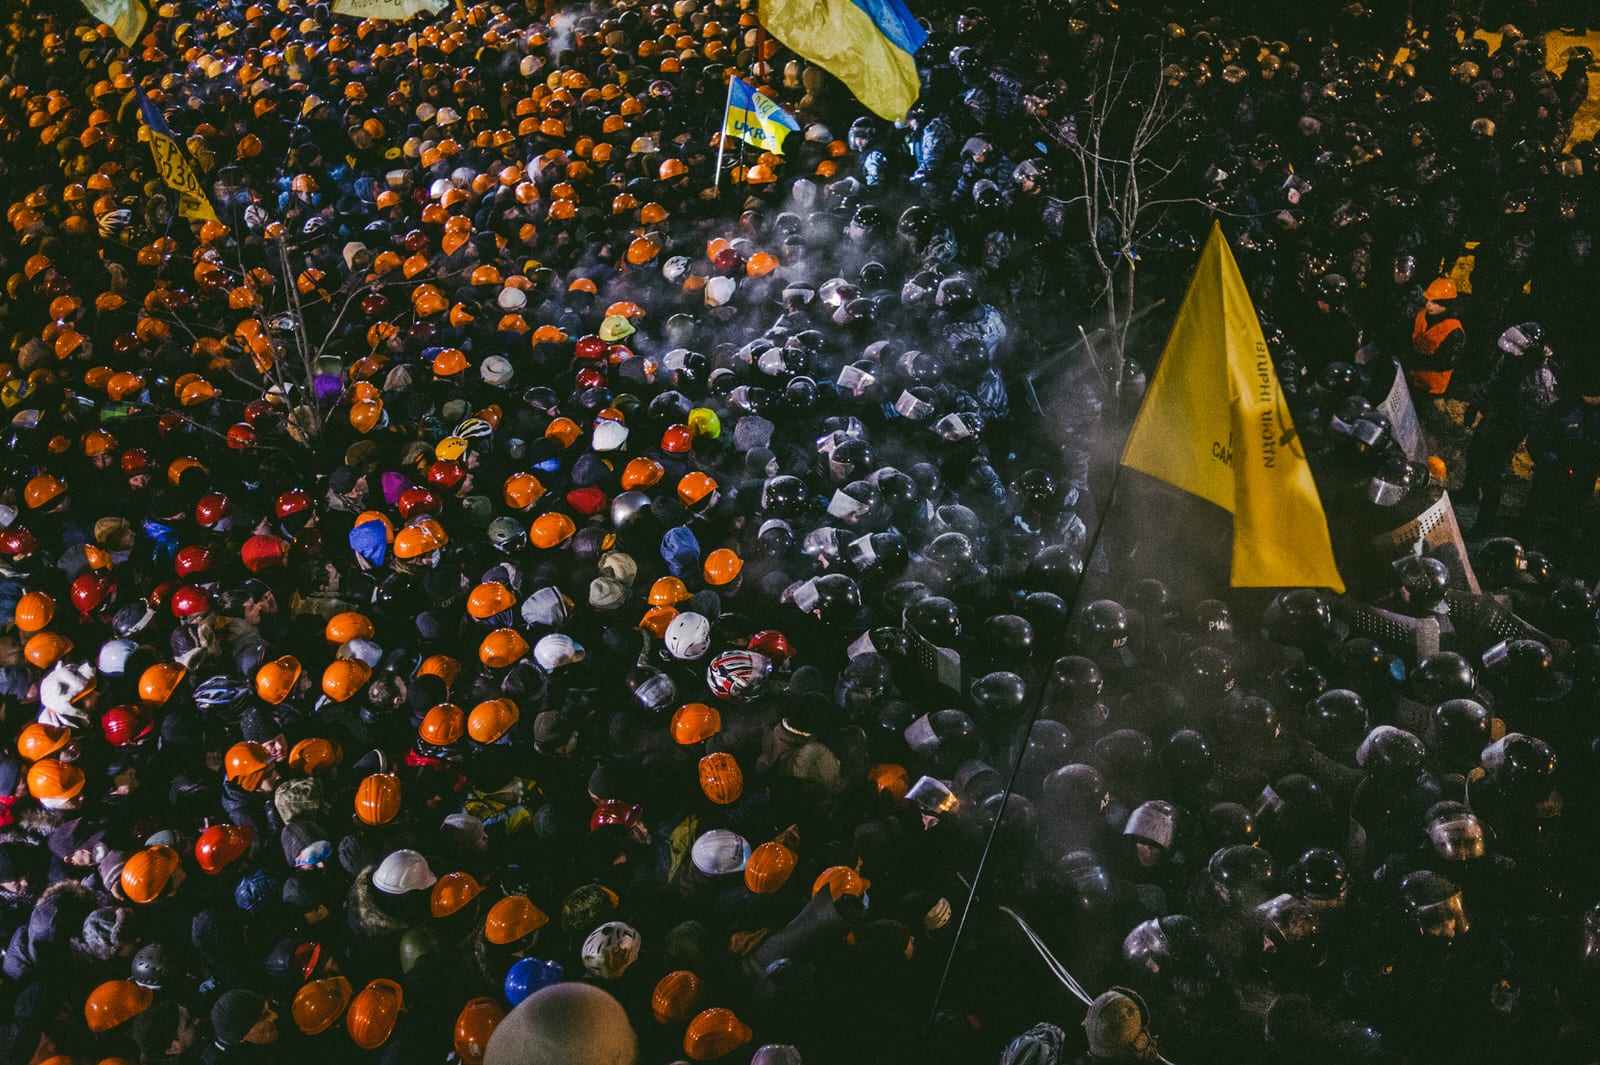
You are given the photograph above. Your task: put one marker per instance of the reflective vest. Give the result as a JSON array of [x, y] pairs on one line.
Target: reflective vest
[[1425, 342]]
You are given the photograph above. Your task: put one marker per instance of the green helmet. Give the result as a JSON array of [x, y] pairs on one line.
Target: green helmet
[[417, 946]]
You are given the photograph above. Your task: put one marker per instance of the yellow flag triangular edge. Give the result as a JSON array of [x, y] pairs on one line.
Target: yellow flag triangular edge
[[1215, 424]]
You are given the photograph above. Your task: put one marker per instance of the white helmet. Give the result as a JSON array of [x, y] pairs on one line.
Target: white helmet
[[402, 871], [557, 650], [675, 269], [719, 290], [512, 299], [688, 636], [611, 949], [114, 654], [609, 434], [720, 852]]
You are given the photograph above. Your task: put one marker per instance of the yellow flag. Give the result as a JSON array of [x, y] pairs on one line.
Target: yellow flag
[[125, 17], [393, 10], [172, 166], [1214, 423]]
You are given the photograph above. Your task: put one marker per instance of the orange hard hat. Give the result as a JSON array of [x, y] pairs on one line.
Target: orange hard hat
[[474, 1025], [54, 780], [42, 490], [115, 1002], [512, 918], [378, 798], [714, 1033], [452, 892], [347, 626], [37, 740], [374, 1013], [443, 725], [695, 487], [694, 723], [157, 683], [668, 591], [1440, 289], [841, 880], [318, 1005], [147, 874], [277, 678], [314, 754], [345, 678], [444, 667], [721, 779], [642, 473], [641, 250], [493, 718], [657, 620], [722, 566], [768, 868], [488, 599], [564, 430], [247, 764], [502, 648], [522, 490], [551, 530], [675, 997], [34, 611]]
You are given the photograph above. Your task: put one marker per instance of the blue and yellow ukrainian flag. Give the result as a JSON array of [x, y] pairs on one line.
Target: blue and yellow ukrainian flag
[[867, 44], [754, 118], [173, 168]]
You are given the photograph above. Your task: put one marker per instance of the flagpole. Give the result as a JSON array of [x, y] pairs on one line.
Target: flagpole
[[1022, 750], [722, 137]]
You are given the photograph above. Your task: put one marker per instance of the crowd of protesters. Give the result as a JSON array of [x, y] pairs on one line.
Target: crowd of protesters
[[502, 591]]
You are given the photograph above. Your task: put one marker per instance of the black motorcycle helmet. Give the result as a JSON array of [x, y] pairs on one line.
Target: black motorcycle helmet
[[1299, 618], [956, 297], [1392, 756], [936, 619], [1000, 694], [1423, 583], [1458, 731], [838, 598], [783, 496], [1501, 563], [1440, 676], [1102, 627], [1337, 721]]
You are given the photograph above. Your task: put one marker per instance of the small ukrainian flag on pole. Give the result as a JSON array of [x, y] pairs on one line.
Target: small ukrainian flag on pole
[[756, 119]]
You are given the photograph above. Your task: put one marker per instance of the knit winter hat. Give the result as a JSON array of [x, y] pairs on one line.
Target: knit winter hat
[[106, 932]]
